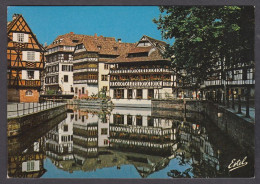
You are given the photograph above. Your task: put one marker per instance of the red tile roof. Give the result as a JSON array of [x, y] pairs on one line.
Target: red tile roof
[[140, 49], [106, 45], [154, 52], [66, 39]]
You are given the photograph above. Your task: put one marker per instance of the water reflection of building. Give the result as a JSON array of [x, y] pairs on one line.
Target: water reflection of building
[[59, 141], [28, 164], [195, 143], [85, 129], [92, 142], [138, 131]]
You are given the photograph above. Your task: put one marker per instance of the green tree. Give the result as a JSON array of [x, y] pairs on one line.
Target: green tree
[[205, 35]]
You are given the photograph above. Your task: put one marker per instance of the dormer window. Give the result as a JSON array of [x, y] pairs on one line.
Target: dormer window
[[115, 48], [99, 47], [75, 41], [80, 46]]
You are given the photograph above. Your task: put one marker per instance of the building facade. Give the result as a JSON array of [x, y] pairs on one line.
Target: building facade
[[25, 58], [59, 64], [141, 74], [234, 81], [90, 68]]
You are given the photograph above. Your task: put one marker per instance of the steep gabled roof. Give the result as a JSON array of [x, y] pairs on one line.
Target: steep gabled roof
[[17, 25], [154, 52]]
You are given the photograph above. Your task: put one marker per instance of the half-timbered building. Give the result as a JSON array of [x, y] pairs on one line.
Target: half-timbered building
[[231, 80], [25, 58], [141, 74], [90, 68], [59, 66]]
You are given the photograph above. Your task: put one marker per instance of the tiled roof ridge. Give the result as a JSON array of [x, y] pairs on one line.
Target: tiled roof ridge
[[12, 22], [155, 39]]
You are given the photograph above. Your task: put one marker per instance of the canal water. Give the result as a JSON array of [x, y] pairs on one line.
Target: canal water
[[87, 142]]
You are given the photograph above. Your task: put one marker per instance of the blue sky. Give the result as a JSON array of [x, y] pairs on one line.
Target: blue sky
[[129, 23]]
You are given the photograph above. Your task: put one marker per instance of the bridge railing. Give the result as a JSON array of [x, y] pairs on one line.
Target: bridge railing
[[20, 109]]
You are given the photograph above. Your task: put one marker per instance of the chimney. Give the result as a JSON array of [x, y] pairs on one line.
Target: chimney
[[71, 32], [45, 44], [119, 40], [95, 36], [15, 16]]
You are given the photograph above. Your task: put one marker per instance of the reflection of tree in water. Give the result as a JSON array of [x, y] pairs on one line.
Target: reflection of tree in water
[[177, 174], [196, 152]]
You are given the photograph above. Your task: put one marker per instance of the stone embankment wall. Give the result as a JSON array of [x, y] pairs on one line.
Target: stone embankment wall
[[19, 143], [17, 125], [236, 126], [179, 105]]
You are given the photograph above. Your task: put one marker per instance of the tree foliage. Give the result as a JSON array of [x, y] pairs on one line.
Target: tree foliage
[[205, 35]]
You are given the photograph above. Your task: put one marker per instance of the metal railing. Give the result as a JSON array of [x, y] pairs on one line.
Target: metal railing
[[20, 109]]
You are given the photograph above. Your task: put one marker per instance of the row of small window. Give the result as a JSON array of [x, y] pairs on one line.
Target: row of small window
[[55, 68], [53, 79], [119, 119], [61, 47], [119, 93], [67, 68], [59, 57], [81, 46], [243, 74], [66, 138]]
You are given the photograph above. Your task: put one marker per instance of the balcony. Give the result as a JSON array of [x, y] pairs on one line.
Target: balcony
[[241, 82], [85, 60], [84, 81], [213, 83], [154, 84], [85, 70], [139, 70]]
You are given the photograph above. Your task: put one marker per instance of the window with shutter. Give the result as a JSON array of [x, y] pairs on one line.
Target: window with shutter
[[20, 37], [30, 74], [30, 55]]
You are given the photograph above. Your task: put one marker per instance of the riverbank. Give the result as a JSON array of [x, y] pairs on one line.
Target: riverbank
[[236, 125], [16, 124]]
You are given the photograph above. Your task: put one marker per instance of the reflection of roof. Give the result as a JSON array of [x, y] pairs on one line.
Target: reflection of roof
[[144, 164]]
